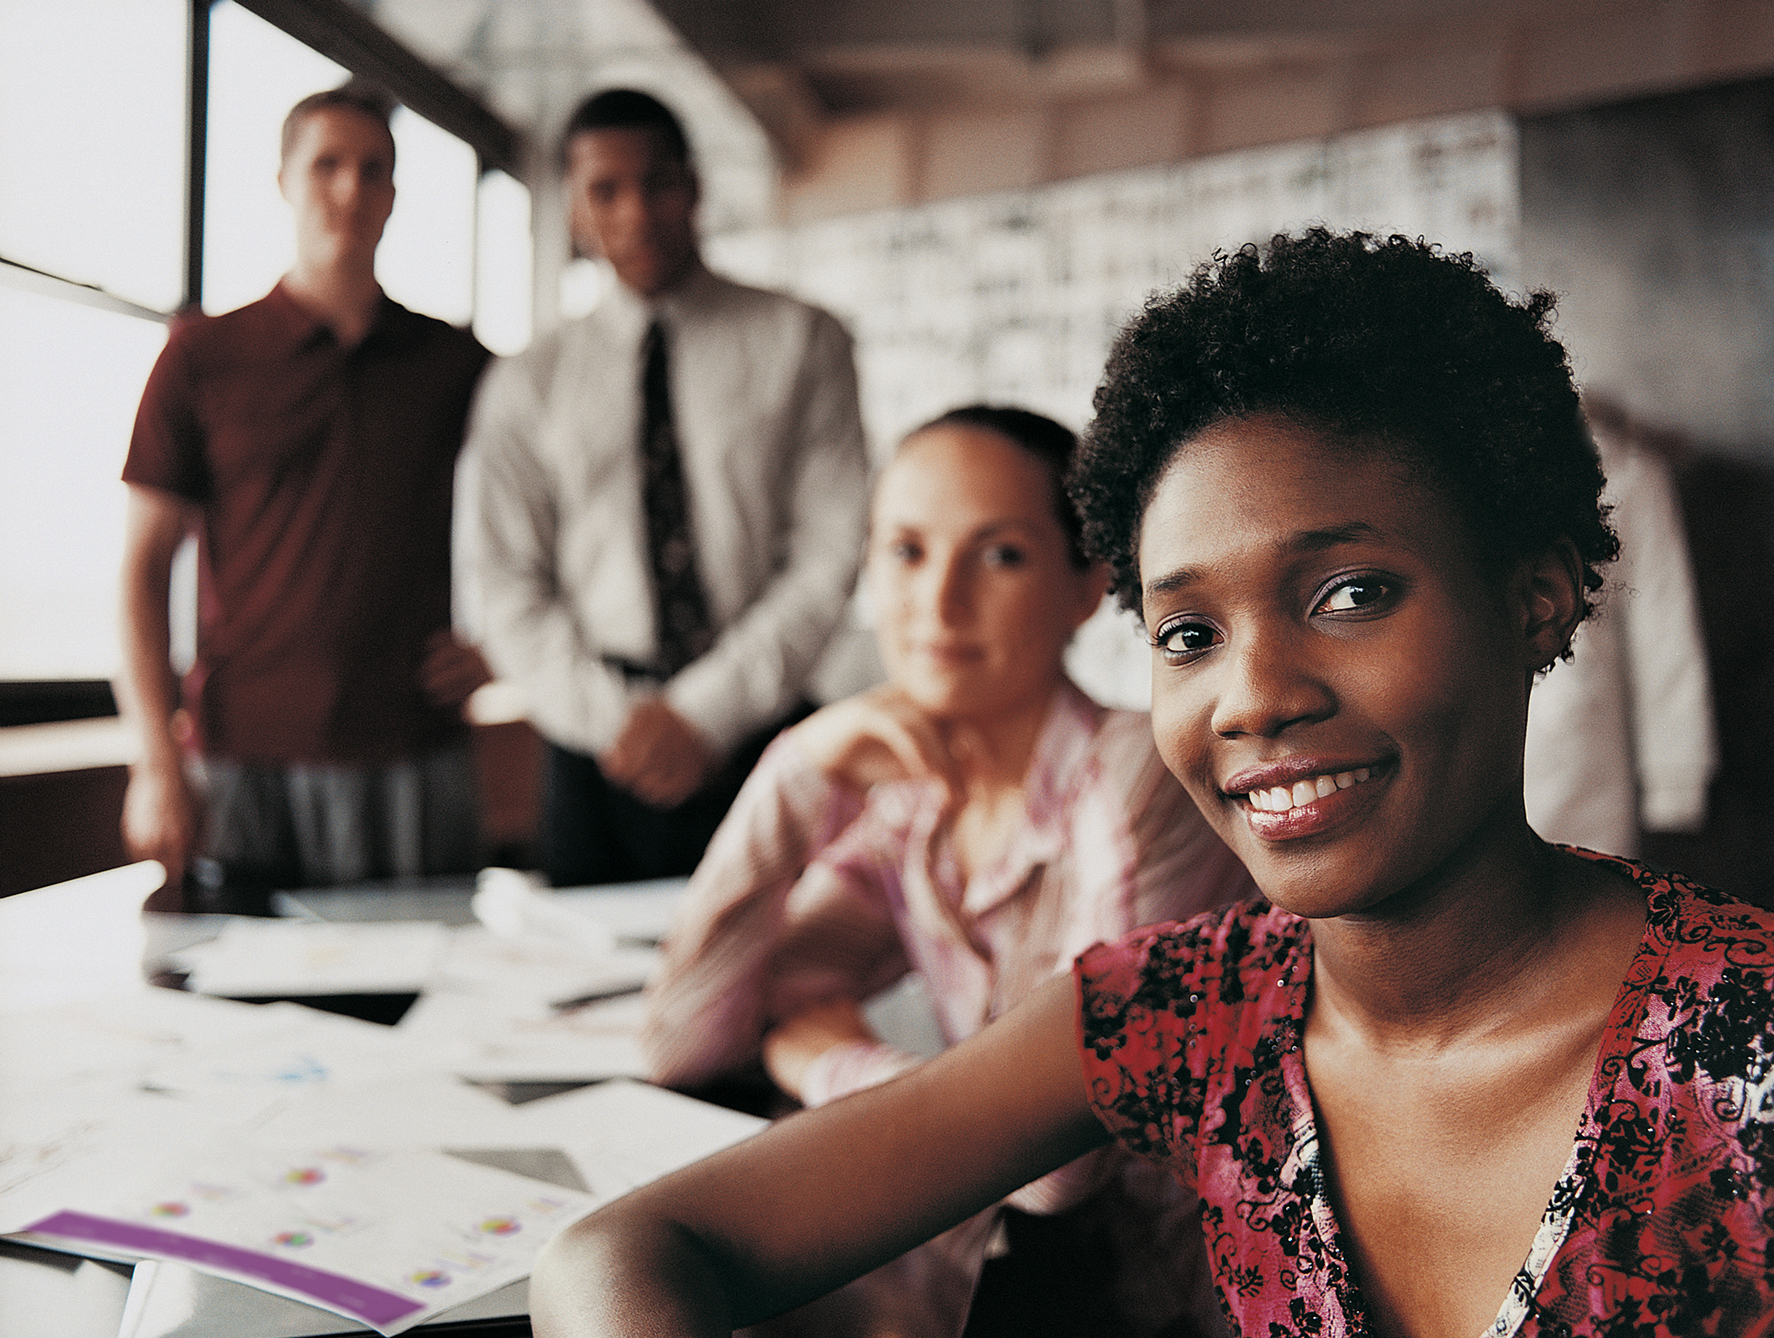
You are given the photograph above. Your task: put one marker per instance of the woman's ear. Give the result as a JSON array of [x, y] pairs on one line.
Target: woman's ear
[[1549, 587]]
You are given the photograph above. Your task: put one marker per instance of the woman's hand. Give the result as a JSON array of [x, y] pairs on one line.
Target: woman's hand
[[791, 1046], [878, 735]]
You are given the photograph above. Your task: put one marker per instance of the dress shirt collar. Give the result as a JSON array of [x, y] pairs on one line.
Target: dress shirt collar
[[673, 308], [1058, 767]]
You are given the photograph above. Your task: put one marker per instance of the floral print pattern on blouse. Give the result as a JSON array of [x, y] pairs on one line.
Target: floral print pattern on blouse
[[1662, 1223]]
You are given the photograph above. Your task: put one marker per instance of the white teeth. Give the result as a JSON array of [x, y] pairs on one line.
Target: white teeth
[[1280, 798]]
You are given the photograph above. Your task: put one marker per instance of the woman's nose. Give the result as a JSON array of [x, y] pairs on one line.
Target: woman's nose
[[941, 591], [1267, 682]]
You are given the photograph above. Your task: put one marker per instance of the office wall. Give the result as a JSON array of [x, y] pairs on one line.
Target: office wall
[[1015, 296], [1654, 221]]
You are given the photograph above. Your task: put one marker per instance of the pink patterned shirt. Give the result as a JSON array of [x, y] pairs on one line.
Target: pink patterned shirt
[[1661, 1224]]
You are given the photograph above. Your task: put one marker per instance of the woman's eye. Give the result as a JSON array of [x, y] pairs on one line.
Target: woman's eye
[[1354, 596], [904, 550], [1180, 641], [1004, 555]]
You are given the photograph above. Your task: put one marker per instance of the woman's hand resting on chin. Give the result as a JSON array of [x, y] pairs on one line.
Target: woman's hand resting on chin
[[878, 735]]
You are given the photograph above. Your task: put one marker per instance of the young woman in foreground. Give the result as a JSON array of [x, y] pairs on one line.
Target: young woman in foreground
[[1345, 482]]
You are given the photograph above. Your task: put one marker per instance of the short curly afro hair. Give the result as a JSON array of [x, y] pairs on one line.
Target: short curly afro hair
[[1385, 344]]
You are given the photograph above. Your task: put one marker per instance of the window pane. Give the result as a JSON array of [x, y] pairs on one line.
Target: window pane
[[92, 131], [70, 378], [503, 269], [426, 260], [256, 74]]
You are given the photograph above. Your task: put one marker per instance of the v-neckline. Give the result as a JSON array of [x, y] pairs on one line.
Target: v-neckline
[[1623, 1020]]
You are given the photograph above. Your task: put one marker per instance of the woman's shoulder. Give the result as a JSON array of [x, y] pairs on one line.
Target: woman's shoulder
[[1674, 1188], [1113, 745], [1171, 1013], [1693, 920], [1230, 953]]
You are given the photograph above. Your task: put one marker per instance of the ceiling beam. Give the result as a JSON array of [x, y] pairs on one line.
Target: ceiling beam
[[342, 32]]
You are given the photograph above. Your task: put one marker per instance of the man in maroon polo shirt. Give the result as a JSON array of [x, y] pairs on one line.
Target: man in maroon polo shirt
[[309, 440]]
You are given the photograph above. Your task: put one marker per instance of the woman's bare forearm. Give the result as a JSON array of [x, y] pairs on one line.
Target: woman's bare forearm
[[827, 1195], [625, 1271]]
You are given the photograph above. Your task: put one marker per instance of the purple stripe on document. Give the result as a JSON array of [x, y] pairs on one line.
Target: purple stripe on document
[[357, 1299]]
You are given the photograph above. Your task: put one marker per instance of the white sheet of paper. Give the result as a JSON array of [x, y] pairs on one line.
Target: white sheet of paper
[[253, 1076], [75, 940], [627, 1134], [409, 1110], [621, 1135], [254, 958], [533, 966], [637, 911], [75, 1143], [168, 1300], [511, 1038], [118, 1036]]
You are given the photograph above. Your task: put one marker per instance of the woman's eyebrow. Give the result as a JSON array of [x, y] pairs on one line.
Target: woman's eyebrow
[[1305, 541], [1316, 541]]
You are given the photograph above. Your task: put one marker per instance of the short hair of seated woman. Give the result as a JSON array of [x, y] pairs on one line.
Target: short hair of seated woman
[[976, 819]]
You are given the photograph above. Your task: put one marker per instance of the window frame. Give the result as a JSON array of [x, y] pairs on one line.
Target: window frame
[[345, 35]]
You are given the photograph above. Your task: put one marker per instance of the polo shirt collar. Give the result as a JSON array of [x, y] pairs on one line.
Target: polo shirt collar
[[305, 329]]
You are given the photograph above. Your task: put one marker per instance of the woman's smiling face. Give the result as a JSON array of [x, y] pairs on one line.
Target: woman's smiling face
[[1336, 681]]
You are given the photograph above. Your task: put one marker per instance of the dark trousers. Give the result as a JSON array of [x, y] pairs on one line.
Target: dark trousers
[[597, 832]]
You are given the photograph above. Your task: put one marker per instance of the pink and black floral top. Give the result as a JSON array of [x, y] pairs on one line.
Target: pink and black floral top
[[1662, 1223]]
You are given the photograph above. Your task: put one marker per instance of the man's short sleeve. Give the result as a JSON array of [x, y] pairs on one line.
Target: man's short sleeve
[[166, 447]]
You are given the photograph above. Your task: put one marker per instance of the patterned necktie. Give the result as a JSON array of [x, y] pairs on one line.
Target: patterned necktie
[[679, 606]]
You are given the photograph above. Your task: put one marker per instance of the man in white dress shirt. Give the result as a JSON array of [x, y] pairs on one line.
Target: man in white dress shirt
[[671, 496]]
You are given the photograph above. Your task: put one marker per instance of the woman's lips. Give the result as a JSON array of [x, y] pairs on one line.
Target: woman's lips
[[1307, 804], [949, 652]]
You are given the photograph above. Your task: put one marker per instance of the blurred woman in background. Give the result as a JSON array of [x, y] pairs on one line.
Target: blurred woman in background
[[976, 819]]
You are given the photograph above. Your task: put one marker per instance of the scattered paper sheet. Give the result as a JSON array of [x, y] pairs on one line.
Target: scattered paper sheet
[[513, 1038], [640, 912], [75, 1144], [168, 1300], [625, 1134], [119, 1036], [421, 1110], [301, 1152], [622, 1135], [253, 1076], [536, 967], [42, 962], [254, 958]]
